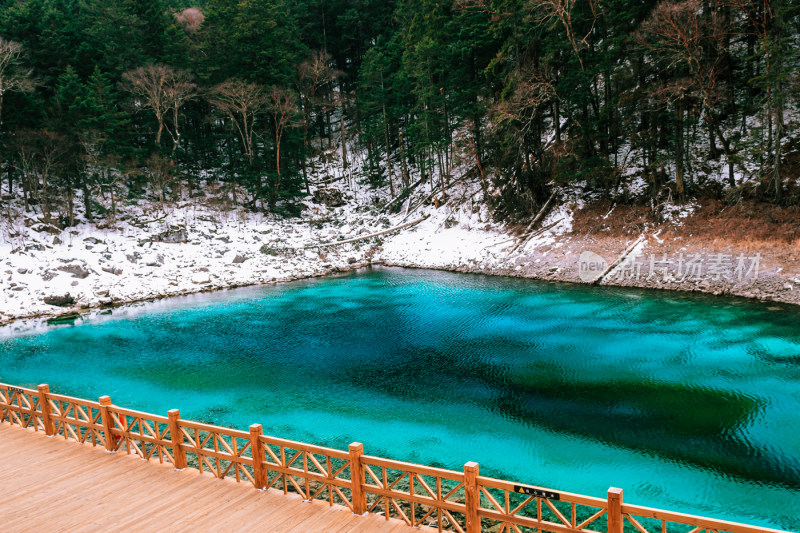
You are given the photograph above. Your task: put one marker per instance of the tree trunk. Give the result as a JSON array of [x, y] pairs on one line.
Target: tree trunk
[[87, 202], [679, 153], [776, 167], [344, 140], [403, 161]]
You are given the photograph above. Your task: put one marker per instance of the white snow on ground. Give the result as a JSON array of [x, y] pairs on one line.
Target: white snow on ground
[[225, 247], [126, 262]]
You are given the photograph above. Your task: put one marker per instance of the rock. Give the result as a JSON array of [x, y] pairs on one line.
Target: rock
[[329, 197], [172, 236], [450, 222], [133, 258], [201, 278], [22, 270], [352, 260], [102, 293], [239, 259], [47, 228], [57, 241], [47, 276], [74, 283], [59, 301], [77, 271], [203, 269], [66, 318], [112, 270], [93, 240], [268, 250]]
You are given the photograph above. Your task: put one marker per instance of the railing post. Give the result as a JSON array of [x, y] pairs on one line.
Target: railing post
[[472, 497], [178, 452], [357, 478], [615, 523], [108, 424], [257, 450], [47, 413]]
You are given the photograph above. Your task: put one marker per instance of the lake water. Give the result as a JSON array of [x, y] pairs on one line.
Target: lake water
[[688, 403]]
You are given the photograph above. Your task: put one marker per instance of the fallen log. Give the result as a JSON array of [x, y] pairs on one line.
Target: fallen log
[[364, 237], [619, 260], [539, 215], [405, 193], [528, 236]]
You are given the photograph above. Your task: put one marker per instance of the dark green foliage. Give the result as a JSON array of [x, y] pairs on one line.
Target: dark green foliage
[[515, 92]]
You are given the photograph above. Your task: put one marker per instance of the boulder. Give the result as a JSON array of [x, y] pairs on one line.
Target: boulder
[[268, 250], [113, 270], [47, 228], [60, 301], [77, 271], [172, 236], [239, 259], [329, 197], [201, 278]]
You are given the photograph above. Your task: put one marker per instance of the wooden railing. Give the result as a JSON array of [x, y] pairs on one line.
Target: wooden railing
[[464, 502]]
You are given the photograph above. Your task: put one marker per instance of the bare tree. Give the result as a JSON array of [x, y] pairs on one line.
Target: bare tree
[[13, 77], [164, 90], [42, 156], [241, 102], [161, 171], [765, 20], [560, 11], [190, 19], [283, 106], [689, 36], [314, 77]]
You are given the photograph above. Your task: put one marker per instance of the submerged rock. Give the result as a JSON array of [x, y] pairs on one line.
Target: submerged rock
[[66, 318]]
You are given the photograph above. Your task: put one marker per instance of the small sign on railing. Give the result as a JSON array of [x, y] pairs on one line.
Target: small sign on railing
[[539, 493], [15, 389]]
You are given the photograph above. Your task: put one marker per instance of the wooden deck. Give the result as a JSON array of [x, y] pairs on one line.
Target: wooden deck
[[50, 484]]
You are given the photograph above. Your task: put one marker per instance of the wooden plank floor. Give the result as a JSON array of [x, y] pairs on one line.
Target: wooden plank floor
[[52, 484]]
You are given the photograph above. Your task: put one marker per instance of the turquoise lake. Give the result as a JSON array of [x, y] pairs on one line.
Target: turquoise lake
[[688, 403]]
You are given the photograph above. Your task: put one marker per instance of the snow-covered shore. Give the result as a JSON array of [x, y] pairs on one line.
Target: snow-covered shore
[[194, 247]]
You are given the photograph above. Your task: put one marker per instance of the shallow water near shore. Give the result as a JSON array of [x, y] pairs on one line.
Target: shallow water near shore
[[689, 403]]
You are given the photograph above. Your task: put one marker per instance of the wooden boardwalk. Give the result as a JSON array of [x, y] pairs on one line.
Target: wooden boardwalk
[[50, 484]]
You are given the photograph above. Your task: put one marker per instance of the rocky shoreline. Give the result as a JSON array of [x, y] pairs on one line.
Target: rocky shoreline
[[89, 269]]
